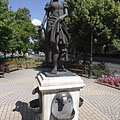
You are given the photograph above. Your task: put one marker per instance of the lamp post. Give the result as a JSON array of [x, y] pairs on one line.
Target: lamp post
[[91, 56]]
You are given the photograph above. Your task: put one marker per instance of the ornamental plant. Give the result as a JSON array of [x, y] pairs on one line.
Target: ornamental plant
[[112, 80], [117, 83]]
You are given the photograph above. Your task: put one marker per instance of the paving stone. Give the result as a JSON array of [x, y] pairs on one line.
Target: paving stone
[[104, 98], [100, 102]]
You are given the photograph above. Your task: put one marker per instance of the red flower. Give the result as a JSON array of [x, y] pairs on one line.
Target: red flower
[[105, 80], [111, 82], [117, 83]]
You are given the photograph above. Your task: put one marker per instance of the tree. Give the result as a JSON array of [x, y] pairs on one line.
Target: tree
[[38, 46], [21, 35], [100, 17], [5, 28], [16, 28]]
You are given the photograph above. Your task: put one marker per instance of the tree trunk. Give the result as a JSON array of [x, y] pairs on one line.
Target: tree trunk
[[85, 57]]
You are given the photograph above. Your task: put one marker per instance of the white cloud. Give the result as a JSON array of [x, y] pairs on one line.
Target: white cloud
[[36, 22]]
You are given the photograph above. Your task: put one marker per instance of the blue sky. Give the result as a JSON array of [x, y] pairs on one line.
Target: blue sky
[[36, 7]]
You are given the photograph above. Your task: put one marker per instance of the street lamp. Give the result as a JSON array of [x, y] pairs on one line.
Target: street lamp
[[91, 56]]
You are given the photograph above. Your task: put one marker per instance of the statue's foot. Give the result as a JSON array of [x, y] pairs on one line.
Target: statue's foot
[[54, 71], [63, 68]]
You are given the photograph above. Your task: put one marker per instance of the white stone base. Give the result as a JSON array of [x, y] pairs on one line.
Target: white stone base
[[50, 86]]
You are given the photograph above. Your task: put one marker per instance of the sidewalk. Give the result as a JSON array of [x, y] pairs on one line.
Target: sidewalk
[[15, 92], [100, 102]]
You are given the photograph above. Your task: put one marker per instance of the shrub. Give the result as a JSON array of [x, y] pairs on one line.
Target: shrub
[[101, 69], [97, 73]]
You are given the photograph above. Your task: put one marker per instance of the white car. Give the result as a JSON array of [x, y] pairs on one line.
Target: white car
[[32, 52], [42, 54]]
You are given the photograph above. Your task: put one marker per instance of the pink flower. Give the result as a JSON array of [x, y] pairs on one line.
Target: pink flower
[[117, 83], [104, 80], [108, 79], [111, 82], [100, 79]]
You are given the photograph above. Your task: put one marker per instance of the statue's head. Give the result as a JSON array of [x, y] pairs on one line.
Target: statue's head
[[55, 0]]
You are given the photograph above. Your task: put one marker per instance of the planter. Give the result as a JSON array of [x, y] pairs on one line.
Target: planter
[[107, 84], [113, 81]]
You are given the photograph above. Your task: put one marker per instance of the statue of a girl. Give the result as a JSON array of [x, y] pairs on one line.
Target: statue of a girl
[[56, 35]]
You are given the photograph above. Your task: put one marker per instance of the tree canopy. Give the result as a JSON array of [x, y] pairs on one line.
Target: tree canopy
[[22, 30], [16, 28], [100, 17], [5, 28]]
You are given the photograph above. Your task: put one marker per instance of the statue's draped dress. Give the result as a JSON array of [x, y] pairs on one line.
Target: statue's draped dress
[[57, 36]]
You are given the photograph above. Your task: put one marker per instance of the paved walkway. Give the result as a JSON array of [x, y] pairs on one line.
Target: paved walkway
[[100, 102]]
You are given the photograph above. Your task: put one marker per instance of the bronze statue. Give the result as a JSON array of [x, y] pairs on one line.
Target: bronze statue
[[56, 35]]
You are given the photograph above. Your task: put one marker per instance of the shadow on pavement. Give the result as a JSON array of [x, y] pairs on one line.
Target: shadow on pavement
[[23, 109]]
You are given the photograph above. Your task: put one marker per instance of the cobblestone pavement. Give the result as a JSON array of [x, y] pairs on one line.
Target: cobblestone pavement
[[15, 92], [100, 102]]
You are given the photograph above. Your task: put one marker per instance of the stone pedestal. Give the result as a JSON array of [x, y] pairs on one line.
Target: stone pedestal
[[50, 86]]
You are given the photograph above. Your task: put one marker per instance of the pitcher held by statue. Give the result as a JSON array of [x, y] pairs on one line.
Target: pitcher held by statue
[[56, 34]]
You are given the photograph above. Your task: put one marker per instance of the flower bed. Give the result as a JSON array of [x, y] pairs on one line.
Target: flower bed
[[113, 81]]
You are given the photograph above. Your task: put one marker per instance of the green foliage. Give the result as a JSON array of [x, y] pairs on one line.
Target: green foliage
[[21, 35], [23, 14], [5, 28], [100, 17], [39, 46], [97, 73], [116, 43], [100, 69], [16, 29], [39, 59], [17, 59]]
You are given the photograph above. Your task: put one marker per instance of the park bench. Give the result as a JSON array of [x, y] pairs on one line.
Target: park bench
[[29, 64], [10, 66], [37, 63], [78, 68]]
